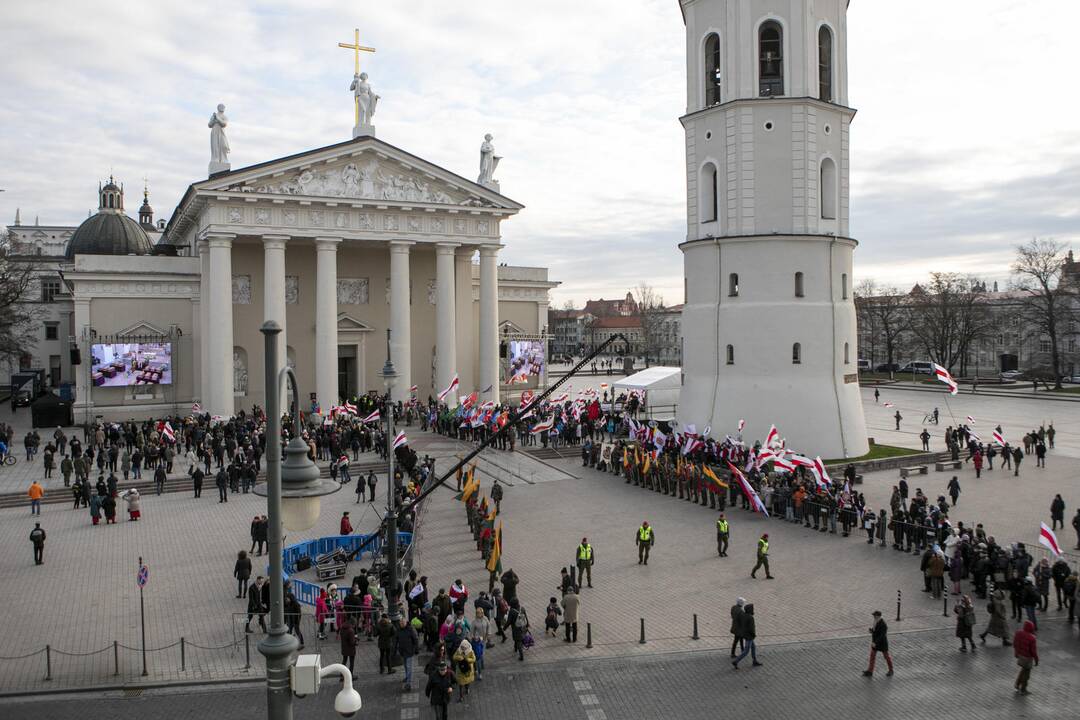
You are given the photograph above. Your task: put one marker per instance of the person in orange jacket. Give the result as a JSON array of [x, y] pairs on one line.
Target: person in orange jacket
[[36, 492]]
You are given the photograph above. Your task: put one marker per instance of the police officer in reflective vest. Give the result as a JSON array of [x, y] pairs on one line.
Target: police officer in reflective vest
[[762, 557], [645, 540], [584, 561], [722, 529]]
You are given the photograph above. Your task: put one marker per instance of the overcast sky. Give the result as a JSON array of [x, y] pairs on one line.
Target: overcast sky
[[966, 142]]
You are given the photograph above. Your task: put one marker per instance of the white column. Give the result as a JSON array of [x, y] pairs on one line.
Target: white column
[[445, 320], [204, 322], [466, 338], [489, 322], [219, 400], [326, 316], [400, 325], [274, 293], [83, 385]]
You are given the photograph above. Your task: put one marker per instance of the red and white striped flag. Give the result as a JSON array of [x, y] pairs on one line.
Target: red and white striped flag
[[888, 404], [773, 437], [412, 390], [559, 399], [167, 432], [971, 420], [349, 408], [999, 439], [542, 426], [449, 389], [400, 440], [373, 417], [822, 472], [748, 490], [196, 408], [944, 376], [1049, 539], [742, 424], [343, 460]]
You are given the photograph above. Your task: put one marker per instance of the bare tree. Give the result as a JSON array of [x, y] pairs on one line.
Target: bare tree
[[864, 317], [650, 307], [1047, 303], [885, 310], [948, 316], [18, 309]]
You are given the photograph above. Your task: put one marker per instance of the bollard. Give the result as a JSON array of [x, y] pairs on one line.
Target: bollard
[[182, 655], [48, 661], [944, 605], [642, 640], [588, 635], [897, 606], [247, 652], [695, 635], [116, 657]]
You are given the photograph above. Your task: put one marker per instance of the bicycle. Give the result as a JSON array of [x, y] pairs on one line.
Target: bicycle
[[10, 459]]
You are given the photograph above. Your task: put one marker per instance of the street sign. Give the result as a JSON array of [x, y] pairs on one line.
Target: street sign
[[143, 576]]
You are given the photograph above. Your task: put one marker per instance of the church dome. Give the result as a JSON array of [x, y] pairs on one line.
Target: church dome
[[110, 231]]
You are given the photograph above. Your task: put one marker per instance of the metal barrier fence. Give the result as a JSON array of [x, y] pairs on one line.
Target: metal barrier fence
[[308, 592]]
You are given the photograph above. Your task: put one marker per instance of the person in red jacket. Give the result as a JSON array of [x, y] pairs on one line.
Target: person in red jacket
[[346, 524], [1027, 655]]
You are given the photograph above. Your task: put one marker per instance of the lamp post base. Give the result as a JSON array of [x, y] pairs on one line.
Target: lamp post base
[[278, 647]]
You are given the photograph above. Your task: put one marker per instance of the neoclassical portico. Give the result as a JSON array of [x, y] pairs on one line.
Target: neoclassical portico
[[361, 230]]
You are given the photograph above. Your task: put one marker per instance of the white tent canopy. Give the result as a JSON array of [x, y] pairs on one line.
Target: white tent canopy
[[661, 386]]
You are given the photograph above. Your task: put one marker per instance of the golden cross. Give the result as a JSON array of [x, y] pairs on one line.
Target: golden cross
[[356, 47]]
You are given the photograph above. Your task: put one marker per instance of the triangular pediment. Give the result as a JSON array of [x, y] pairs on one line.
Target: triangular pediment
[[365, 169], [347, 323], [141, 329]]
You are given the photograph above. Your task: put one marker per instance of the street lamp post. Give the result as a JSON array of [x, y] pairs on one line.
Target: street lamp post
[[303, 486], [389, 379]]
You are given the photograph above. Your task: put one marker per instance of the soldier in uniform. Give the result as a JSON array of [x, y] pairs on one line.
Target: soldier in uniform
[[585, 559], [645, 538], [762, 557], [722, 531]]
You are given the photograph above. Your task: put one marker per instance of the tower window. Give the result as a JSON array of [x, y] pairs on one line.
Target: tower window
[[712, 70], [733, 285], [730, 354], [843, 286], [796, 354], [827, 189], [708, 193], [770, 59], [825, 73], [799, 284], [847, 354]]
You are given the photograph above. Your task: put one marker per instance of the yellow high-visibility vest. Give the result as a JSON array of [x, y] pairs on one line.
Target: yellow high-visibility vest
[[722, 526], [644, 534], [584, 552]]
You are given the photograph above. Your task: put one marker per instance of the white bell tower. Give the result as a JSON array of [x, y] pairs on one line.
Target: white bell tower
[[769, 320]]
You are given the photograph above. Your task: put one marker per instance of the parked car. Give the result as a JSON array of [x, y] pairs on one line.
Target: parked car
[[887, 367], [864, 365], [21, 398], [1012, 374], [923, 368]]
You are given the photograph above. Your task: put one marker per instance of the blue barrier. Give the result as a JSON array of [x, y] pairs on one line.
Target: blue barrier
[[308, 592]]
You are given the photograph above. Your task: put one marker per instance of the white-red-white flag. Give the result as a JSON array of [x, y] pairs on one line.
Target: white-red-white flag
[[196, 408], [748, 490], [999, 439], [400, 440], [449, 388], [349, 408], [742, 424], [413, 389], [373, 417], [167, 432], [773, 437], [542, 425], [971, 420], [944, 376], [1049, 539], [888, 404]]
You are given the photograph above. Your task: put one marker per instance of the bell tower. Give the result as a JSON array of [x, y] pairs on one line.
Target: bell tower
[[769, 319]]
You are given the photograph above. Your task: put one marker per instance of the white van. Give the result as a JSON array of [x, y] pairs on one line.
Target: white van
[[921, 368]]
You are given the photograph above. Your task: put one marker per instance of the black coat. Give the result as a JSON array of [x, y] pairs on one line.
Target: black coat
[[255, 604], [879, 636], [440, 688], [242, 569]]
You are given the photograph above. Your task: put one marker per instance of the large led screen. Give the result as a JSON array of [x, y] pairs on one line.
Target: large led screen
[[126, 364]]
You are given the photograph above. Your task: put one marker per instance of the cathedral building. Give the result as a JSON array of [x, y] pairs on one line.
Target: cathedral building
[[338, 245]]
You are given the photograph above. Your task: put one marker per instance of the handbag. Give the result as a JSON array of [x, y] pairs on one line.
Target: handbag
[[527, 641]]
